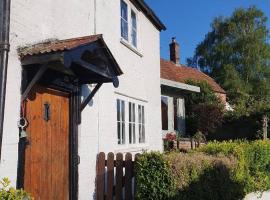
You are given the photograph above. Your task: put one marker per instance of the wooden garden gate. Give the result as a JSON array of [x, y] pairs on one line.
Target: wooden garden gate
[[115, 177]]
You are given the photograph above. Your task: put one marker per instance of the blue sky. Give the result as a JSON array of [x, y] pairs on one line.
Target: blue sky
[[189, 20]]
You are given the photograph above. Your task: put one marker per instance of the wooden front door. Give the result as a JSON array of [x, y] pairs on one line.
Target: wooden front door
[[46, 172]]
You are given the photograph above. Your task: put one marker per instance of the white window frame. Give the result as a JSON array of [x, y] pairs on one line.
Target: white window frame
[[137, 146], [130, 9]]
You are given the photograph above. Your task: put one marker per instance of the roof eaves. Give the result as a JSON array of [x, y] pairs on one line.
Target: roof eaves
[[150, 14], [179, 85]]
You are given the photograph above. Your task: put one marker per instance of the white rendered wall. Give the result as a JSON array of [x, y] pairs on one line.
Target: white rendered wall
[[139, 84], [34, 21]]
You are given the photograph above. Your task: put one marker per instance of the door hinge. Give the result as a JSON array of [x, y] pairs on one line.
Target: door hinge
[[77, 160]]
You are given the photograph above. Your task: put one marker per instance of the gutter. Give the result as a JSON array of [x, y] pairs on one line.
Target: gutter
[[181, 86], [4, 50]]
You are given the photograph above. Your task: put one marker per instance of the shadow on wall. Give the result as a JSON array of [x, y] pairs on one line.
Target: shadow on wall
[[85, 92], [214, 183]]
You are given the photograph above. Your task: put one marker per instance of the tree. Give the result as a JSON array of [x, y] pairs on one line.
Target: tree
[[204, 110], [237, 55]]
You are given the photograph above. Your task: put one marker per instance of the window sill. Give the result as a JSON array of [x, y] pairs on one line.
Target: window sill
[[129, 46], [134, 149]]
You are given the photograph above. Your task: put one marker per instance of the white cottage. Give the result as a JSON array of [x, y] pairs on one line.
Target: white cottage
[[85, 75]]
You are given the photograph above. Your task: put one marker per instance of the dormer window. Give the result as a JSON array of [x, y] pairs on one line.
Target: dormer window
[[129, 24]]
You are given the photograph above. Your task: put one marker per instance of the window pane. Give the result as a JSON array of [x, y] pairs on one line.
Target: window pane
[[134, 28], [123, 110], [119, 132], [118, 110], [143, 121], [124, 20], [140, 133], [133, 20], [164, 112], [131, 123], [123, 133], [140, 114], [130, 133], [143, 133], [134, 37], [134, 136], [120, 121], [133, 112], [124, 13], [124, 29]]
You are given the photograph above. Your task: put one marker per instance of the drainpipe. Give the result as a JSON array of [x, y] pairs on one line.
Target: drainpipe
[[4, 50]]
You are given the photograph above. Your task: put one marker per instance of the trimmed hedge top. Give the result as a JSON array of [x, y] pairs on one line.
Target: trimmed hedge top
[[217, 171]]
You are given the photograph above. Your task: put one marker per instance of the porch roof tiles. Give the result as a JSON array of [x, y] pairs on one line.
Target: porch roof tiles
[[181, 74], [57, 45]]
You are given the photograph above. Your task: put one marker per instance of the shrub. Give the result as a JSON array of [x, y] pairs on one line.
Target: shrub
[[223, 171], [154, 177], [9, 193], [253, 162], [199, 177], [204, 110]]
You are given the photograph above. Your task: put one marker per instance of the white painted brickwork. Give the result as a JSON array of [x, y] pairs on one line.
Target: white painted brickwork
[[33, 21]]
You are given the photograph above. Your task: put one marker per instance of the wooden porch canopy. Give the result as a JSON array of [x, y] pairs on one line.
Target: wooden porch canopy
[[87, 59]]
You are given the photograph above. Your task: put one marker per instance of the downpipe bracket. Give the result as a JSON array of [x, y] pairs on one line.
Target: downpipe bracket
[[4, 46]]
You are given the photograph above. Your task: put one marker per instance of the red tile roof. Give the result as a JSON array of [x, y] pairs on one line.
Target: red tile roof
[[170, 71], [57, 45]]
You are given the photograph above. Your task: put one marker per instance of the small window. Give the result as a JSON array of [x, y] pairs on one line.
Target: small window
[[132, 136], [141, 123], [164, 112], [134, 28], [124, 20], [121, 121]]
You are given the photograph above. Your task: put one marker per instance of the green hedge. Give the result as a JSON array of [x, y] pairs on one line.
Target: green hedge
[[217, 171], [253, 166], [154, 178], [10, 193]]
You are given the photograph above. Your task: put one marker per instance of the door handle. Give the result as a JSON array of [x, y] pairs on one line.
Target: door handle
[[47, 112]]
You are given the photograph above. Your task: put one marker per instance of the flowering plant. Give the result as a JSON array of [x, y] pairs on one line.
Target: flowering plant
[[170, 137]]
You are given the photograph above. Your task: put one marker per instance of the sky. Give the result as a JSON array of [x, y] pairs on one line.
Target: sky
[[189, 20]]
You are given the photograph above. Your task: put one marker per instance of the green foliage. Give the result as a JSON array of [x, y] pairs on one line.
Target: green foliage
[[207, 95], [204, 111], [9, 193], [202, 177], [253, 166], [154, 178], [236, 54], [238, 127], [223, 171]]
